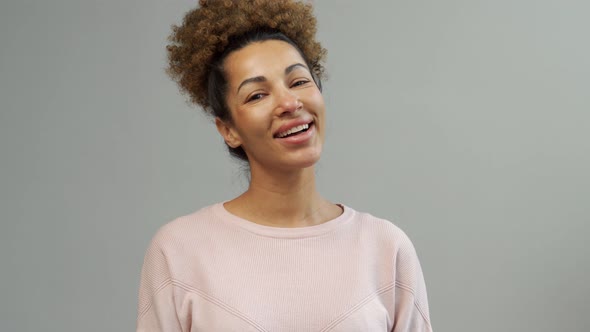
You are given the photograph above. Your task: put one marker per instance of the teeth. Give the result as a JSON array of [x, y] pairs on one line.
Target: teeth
[[293, 130]]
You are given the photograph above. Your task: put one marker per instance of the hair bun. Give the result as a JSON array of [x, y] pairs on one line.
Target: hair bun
[[202, 3]]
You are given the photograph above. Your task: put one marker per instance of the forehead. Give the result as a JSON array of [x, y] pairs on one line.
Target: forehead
[[265, 58]]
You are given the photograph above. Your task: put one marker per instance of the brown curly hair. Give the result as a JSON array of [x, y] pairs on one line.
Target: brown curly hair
[[206, 32]]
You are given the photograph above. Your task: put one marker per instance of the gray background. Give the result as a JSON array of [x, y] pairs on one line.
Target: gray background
[[465, 122]]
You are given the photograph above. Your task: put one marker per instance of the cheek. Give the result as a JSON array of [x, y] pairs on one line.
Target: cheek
[[250, 123], [318, 100]]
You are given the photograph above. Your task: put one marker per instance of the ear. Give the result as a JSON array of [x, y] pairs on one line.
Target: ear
[[228, 132]]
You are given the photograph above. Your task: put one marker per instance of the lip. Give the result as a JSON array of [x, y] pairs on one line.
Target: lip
[[298, 139], [291, 124]]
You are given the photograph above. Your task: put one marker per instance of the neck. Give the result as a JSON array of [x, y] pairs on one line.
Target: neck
[[283, 199]]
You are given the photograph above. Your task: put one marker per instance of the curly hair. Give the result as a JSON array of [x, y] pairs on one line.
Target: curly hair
[[210, 32]]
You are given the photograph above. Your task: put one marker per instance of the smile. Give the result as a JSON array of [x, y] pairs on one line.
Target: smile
[[294, 131]]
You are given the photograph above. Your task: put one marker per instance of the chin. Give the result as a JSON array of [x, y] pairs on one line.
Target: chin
[[306, 160]]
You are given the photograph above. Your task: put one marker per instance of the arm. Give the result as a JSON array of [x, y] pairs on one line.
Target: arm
[[156, 309], [411, 302]]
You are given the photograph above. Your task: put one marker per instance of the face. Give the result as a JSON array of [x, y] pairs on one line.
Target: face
[[276, 107]]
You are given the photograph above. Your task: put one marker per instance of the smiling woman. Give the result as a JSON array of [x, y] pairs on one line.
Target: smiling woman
[[279, 257]]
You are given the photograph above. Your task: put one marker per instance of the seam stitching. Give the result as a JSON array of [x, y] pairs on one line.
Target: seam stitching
[[219, 303], [357, 306], [203, 295], [147, 307], [418, 307]]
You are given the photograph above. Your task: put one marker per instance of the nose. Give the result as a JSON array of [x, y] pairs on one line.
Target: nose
[[288, 102]]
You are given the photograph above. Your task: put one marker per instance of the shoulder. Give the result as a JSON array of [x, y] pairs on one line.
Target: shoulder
[[185, 229], [381, 229], [391, 241]]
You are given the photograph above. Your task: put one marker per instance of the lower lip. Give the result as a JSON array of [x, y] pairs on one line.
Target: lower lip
[[300, 138]]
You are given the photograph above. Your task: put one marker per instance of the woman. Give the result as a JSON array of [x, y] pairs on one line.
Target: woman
[[279, 257]]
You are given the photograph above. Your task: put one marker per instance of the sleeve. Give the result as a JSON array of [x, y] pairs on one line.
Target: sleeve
[[411, 301], [156, 310]]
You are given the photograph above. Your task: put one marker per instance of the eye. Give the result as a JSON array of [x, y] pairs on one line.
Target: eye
[[299, 83], [254, 97]]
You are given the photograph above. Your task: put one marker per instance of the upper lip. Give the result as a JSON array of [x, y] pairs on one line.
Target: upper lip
[[291, 124]]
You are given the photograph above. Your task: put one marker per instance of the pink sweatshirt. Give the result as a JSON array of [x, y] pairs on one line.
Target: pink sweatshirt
[[213, 271]]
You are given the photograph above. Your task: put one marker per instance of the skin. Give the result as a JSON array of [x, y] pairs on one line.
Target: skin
[[269, 85]]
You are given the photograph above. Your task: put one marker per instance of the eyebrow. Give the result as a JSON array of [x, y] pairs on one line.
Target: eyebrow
[[259, 79]]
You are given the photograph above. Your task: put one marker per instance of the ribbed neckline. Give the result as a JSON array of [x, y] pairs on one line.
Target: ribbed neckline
[[283, 232]]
